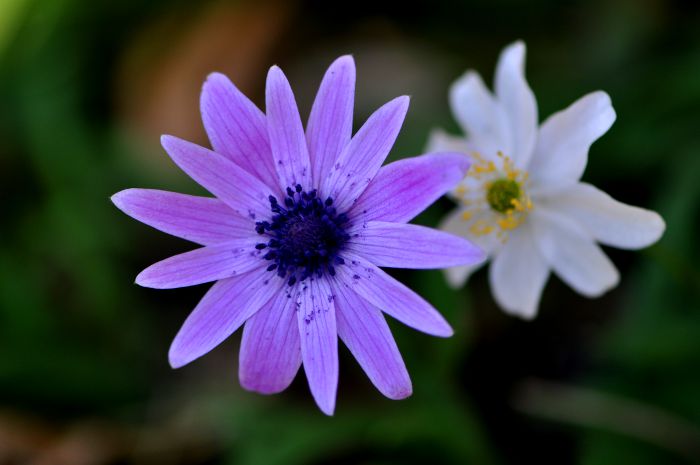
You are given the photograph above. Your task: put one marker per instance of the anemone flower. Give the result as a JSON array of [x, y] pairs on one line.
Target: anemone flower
[[295, 237], [522, 200]]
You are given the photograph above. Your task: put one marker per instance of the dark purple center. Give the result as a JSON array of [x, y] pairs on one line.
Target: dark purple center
[[305, 235]]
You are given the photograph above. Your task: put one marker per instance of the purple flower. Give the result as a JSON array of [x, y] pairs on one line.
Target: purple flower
[[294, 238]]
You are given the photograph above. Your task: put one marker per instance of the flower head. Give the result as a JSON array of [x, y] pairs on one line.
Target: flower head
[[301, 223], [522, 200]]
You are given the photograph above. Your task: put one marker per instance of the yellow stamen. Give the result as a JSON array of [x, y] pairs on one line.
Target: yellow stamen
[[505, 200]]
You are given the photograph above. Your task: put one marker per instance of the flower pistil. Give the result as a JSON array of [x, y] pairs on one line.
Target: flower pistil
[[495, 194]]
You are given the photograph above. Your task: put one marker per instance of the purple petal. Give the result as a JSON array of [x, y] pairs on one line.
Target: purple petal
[[399, 245], [319, 341], [227, 305], [203, 265], [237, 128], [289, 149], [270, 353], [363, 329], [363, 156], [403, 189], [390, 296], [198, 219], [330, 124], [245, 194]]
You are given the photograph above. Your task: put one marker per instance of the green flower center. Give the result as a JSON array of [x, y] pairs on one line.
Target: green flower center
[[501, 194]]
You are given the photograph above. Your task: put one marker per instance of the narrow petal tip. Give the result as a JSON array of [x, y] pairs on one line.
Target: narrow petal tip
[[477, 254], [604, 102], [167, 141], [215, 76], [176, 361], [400, 393], [455, 160], [119, 199], [525, 314], [657, 224], [176, 357], [403, 101], [147, 279], [439, 329], [462, 161], [445, 332], [213, 81], [327, 406], [398, 105], [275, 73], [344, 61], [518, 47], [256, 386]]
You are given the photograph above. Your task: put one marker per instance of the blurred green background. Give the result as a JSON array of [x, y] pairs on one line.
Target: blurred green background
[[86, 88]]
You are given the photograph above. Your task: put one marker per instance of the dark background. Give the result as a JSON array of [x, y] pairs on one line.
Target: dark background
[[86, 88]]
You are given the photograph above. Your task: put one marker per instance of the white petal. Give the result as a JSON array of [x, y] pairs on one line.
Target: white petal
[[518, 103], [573, 254], [561, 153], [454, 223], [440, 141], [607, 220], [477, 111], [518, 274]]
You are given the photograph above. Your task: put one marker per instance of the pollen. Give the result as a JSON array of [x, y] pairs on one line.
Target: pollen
[[494, 196]]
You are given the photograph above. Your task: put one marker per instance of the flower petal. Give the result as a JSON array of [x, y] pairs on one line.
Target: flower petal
[[518, 274], [454, 223], [390, 296], [319, 341], [202, 220], [365, 332], [245, 194], [399, 245], [270, 353], [289, 149], [480, 115], [561, 154], [607, 220], [518, 103], [237, 128], [330, 123], [363, 156], [404, 188], [202, 265], [572, 254], [224, 308], [440, 141]]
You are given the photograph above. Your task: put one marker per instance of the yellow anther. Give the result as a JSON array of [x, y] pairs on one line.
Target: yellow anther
[[508, 223], [504, 204], [481, 229]]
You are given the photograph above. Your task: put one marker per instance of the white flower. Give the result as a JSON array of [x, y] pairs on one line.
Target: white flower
[[522, 201]]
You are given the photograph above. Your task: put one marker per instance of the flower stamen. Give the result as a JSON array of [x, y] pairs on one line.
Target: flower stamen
[[495, 194], [305, 235]]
